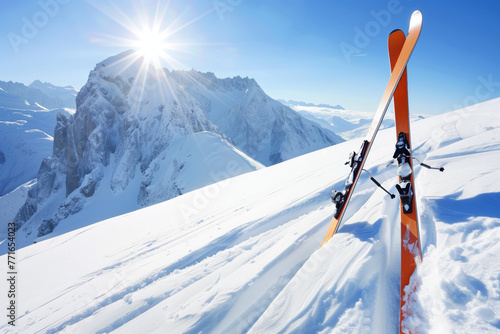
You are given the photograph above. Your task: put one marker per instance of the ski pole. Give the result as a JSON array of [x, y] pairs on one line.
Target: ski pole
[[441, 169]]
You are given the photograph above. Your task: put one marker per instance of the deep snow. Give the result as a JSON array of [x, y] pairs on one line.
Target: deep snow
[[242, 255]]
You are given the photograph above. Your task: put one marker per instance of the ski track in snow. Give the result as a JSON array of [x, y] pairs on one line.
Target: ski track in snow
[[250, 260]]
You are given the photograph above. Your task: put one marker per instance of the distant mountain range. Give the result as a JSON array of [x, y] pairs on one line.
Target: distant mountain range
[[348, 124], [292, 103], [66, 95], [36, 96]]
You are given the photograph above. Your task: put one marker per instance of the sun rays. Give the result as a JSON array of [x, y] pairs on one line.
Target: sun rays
[[148, 31]]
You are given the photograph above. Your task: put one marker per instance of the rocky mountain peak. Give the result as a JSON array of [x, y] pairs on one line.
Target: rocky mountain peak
[[150, 134]]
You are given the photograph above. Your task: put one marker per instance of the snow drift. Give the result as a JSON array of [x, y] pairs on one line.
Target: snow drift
[[242, 255]]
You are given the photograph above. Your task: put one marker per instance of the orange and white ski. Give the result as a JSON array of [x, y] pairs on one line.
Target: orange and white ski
[[410, 242]]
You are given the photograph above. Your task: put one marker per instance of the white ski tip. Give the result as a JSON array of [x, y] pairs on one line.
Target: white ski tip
[[416, 19]]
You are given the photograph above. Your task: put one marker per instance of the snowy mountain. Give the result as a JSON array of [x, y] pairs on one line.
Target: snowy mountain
[[66, 94], [131, 143], [13, 101], [142, 135], [242, 255], [27, 122]]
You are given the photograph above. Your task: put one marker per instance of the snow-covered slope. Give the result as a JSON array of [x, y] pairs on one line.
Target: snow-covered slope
[[10, 204], [242, 255]]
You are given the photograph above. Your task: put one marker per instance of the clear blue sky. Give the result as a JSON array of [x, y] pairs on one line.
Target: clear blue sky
[[295, 49]]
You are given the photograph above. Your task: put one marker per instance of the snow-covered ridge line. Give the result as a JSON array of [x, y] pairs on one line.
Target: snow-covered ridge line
[[298, 104]]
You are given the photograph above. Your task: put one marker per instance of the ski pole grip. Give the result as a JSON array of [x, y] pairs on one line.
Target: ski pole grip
[[425, 165]]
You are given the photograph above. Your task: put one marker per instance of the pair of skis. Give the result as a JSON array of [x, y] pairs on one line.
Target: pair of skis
[[357, 160], [400, 50]]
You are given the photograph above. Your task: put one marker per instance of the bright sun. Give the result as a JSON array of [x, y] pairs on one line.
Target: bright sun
[[151, 45], [150, 29]]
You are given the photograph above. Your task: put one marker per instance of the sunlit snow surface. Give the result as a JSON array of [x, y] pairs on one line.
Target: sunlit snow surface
[[243, 254]]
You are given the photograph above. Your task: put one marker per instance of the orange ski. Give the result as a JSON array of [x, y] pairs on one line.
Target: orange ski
[[410, 244], [358, 160]]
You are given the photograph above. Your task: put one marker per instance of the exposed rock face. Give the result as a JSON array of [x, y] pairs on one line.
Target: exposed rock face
[[118, 122], [47, 183]]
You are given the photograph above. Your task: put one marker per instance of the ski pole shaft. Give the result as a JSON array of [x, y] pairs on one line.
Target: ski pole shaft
[[378, 184]]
